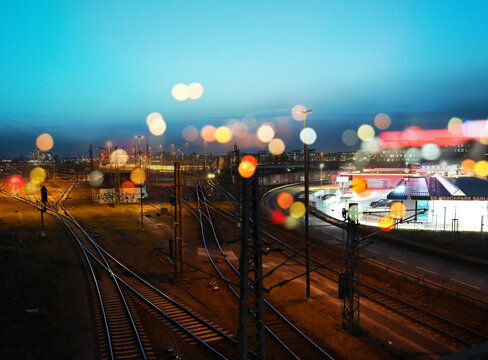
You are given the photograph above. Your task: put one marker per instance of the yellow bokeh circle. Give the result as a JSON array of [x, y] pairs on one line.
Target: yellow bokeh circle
[[246, 169], [297, 209], [365, 132], [37, 175], [138, 176], [398, 210], [481, 168], [276, 146], [223, 134], [387, 223]]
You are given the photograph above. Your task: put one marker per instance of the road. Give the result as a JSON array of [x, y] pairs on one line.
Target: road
[[454, 275]]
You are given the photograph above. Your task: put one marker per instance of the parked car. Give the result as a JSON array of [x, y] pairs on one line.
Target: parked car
[[381, 203]]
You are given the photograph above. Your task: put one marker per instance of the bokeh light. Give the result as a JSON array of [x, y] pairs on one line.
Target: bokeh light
[[16, 181], [467, 166], [223, 134], [208, 133], [454, 126], [430, 152], [382, 121], [157, 126], [96, 178], [195, 90], [138, 176], [251, 159], [291, 223], [297, 112], [180, 92], [238, 128], [119, 157], [127, 188], [284, 200], [366, 132], [190, 133], [308, 136], [276, 146], [152, 116], [44, 142], [297, 209], [481, 168], [412, 155], [359, 184], [372, 146], [265, 133], [246, 169], [38, 175], [387, 223], [398, 210], [32, 188], [350, 137], [277, 217]]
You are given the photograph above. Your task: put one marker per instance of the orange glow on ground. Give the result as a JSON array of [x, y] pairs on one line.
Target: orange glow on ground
[[284, 200]]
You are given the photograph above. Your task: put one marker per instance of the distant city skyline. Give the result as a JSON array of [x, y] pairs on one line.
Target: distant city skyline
[[91, 72]]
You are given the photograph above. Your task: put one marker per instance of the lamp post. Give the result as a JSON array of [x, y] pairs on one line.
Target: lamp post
[[139, 137], [321, 167], [305, 171]]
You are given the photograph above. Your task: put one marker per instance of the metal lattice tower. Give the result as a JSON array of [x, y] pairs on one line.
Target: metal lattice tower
[[349, 279], [178, 232], [251, 332]]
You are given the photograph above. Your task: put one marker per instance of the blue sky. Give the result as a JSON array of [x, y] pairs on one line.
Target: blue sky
[[86, 71]]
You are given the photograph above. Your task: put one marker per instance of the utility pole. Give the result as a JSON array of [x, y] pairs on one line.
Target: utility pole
[[178, 231], [238, 195], [251, 315], [44, 201], [91, 158], [349, 278]]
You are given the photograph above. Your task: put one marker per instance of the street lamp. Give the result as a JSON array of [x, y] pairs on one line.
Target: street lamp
[[139, 137], [321, 167], [305, 172]]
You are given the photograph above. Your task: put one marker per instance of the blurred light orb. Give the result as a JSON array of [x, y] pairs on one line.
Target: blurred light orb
[[96, 178], [308, 136], [297, 112], [246, 169], [277, 217], [16, 180], [361, 158], [44, 142], [251, 159], [412, 155], [190, 133], [359, 184], [265, 133], [208, 133], [410, 134], [284, 200], [127, 188], [366, 132], [454, 126], [372, 146], [195, 90], [153, 116], [276, 146], [238, 128], [38, 175], [138, 176], [382, 121], [223, 134], [32, 188], [481, 168], [350, 137], [387, 223], [430, 152], [291, 223], [157, 126], [467, 166], [119, 157], [398, 210], [180, 92], [297, 209]]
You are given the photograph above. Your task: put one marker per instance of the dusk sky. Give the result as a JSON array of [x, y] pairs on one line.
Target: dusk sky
[[91, 71]]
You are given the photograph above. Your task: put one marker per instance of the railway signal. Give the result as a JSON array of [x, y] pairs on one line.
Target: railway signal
[[251, 315], [44, 201]]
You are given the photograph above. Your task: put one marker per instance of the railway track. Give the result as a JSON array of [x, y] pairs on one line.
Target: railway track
[[293, 341], [461, 334], [118, 289]]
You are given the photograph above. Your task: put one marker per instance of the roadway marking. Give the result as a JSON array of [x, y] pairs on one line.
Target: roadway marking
[[429, 271], [462, 282], [400, 261], [374, 252]]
